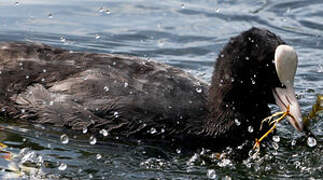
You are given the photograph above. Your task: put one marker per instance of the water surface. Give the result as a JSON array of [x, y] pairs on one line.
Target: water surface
[[186, 34]]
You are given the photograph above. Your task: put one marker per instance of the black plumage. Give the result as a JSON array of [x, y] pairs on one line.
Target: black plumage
[[133, 97]]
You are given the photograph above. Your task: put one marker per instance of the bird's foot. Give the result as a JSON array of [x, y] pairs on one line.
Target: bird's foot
[[271, 121]]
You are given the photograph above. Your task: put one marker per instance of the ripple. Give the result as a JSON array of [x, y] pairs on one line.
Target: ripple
[[189, 38]]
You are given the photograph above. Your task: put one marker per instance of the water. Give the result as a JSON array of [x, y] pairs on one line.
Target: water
[[186, 34]]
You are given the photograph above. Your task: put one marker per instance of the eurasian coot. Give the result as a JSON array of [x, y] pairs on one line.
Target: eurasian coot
[[129, 96]]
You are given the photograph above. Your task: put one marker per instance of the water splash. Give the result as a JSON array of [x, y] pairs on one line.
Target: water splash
[[62, 167], [92, 140], [64, 139], [311, 142], [211, 174]]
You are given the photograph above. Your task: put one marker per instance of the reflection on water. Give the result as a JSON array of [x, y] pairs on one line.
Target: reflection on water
[[186, 34]]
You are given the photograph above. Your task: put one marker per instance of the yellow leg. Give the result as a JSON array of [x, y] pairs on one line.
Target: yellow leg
[[275, 122], [2, 146]]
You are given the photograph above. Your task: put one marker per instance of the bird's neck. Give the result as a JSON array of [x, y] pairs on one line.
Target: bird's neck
[[233, 114]]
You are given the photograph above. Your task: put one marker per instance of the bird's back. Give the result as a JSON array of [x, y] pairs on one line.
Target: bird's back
[[123, 94]]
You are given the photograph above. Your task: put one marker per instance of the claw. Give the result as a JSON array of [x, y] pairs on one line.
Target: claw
[[271, 121]]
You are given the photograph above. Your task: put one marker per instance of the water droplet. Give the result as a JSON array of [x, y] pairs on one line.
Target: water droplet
[[62, 39], [227, 178], [104, 132], [79, 170], [276, 138], [311, 141], [50, 15], [178, 150], [116, 114], [198, 90], [275, 145], [222, 55], [247, 58], [97, 36], [42, 79], [106, 89], [238, 123], [84, 130], [27, 77], [267, 168], [90, 176], [297, 164], [253, 81], [64, 139], [44, 70], [62, 167], [107, 12], [211, 174], [98, 156], [114, 63], [126, 84], [92, 140], [153, 130], [225, 163], [101, 10], [161, 43], [20, 64], [182, 6], [320, 68], [217, 10], [250, 129], [248, 165], [23, 110], [293, 143], [162, 130]]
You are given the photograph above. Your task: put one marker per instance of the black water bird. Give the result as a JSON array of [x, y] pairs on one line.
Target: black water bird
[[133, 97]]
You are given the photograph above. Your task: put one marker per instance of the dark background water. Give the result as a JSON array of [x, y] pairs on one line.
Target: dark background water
[[187, 34]]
